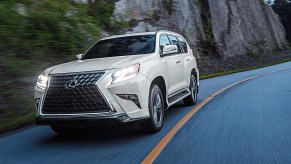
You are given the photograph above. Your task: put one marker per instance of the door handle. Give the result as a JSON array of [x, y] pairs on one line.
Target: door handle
[[178, 61], [188, 59]]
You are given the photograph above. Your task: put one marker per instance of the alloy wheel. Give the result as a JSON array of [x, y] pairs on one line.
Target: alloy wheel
[[157, 108]]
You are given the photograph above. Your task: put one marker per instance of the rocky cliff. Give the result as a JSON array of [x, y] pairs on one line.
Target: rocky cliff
[[221, 27]]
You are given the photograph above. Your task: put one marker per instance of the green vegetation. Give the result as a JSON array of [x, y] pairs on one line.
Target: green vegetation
[[221, 72], [37, 34], [262, 1], [17, 122], [208, 46], [210, 40], [33, 32], [170, 4], [283, 9]]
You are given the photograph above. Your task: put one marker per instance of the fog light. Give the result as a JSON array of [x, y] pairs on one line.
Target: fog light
[[131, 97], [124, 118]]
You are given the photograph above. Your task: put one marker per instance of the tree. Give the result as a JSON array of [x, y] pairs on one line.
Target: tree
[[269, 2], [283, 9]]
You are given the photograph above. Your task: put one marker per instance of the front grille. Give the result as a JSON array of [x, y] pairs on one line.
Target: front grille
[[69, 94]]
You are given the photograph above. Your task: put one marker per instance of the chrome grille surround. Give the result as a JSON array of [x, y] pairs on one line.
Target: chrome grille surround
[[75, 93]]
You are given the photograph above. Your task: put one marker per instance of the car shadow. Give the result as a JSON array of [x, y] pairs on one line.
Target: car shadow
[[108, 134], [100, 133]]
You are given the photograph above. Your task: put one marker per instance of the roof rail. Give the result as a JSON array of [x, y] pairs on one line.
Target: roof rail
[[165, 31]]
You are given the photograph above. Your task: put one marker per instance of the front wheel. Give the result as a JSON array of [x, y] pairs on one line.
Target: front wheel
[[192, 98], [156, 109]]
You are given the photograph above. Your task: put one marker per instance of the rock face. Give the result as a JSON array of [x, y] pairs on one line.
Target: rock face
[[234, 27]]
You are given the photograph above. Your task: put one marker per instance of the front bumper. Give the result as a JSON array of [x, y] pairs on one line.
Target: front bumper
[[122, 110], [85, 120]]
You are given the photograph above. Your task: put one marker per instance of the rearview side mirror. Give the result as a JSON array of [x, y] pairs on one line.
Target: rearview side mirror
[[79, 56], [170, 49]]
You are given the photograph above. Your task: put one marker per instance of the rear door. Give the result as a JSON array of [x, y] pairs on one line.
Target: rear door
[[186, 59]]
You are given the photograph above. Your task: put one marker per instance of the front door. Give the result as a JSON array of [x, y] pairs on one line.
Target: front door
[[173, 64]]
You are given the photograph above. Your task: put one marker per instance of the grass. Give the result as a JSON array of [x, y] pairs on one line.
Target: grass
[[220, 73], [17, 109], [17, 122]]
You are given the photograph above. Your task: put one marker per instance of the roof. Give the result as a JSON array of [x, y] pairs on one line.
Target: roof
[[139, 33]]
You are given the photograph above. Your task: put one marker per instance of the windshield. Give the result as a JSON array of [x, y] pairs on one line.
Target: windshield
[[123, 46]]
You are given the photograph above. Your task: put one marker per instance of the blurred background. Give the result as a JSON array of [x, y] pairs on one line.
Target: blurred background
[[37, 34]]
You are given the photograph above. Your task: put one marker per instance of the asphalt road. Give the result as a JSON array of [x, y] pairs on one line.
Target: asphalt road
[[249, 123]]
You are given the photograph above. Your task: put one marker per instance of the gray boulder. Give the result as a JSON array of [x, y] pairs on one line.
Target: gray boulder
[[236, 27]]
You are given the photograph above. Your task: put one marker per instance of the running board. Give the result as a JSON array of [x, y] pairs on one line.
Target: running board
[[178, 96]]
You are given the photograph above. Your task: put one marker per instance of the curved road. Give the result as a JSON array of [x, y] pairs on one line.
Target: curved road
[[248, 123]]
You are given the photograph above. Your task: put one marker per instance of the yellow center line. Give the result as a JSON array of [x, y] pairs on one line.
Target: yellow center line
[[163, 143]]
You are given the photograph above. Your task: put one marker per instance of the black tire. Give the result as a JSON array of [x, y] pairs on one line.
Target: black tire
[[65, 130], [192, 98], [156, 108]]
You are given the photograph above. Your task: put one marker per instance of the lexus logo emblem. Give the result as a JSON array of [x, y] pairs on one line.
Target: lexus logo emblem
[[71, 84]]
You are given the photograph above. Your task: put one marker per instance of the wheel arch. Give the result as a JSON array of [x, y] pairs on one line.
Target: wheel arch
[[194, 72], [160, 81]]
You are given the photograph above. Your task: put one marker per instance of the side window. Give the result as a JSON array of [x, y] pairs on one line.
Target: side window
[[163, 41], [184, 44], [175, 41]]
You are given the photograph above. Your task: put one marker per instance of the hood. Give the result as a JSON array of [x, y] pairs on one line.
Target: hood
[[95, 64]]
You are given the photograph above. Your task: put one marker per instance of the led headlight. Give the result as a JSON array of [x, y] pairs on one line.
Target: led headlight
[[42, 80], [125, 73]]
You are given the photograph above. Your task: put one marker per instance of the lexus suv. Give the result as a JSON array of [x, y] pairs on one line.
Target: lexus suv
[[124, 78]]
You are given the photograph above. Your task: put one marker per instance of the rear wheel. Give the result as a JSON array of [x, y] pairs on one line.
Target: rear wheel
[[64, 130], [192, 98], [156, 109]]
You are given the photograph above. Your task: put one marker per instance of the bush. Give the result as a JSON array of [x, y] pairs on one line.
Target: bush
[[45, 29], [35, 34]]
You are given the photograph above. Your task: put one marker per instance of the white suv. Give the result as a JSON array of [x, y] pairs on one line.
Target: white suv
[[125, 78]]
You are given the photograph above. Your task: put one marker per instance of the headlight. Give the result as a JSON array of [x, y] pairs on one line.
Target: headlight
[[42, 80], [125, 73]]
